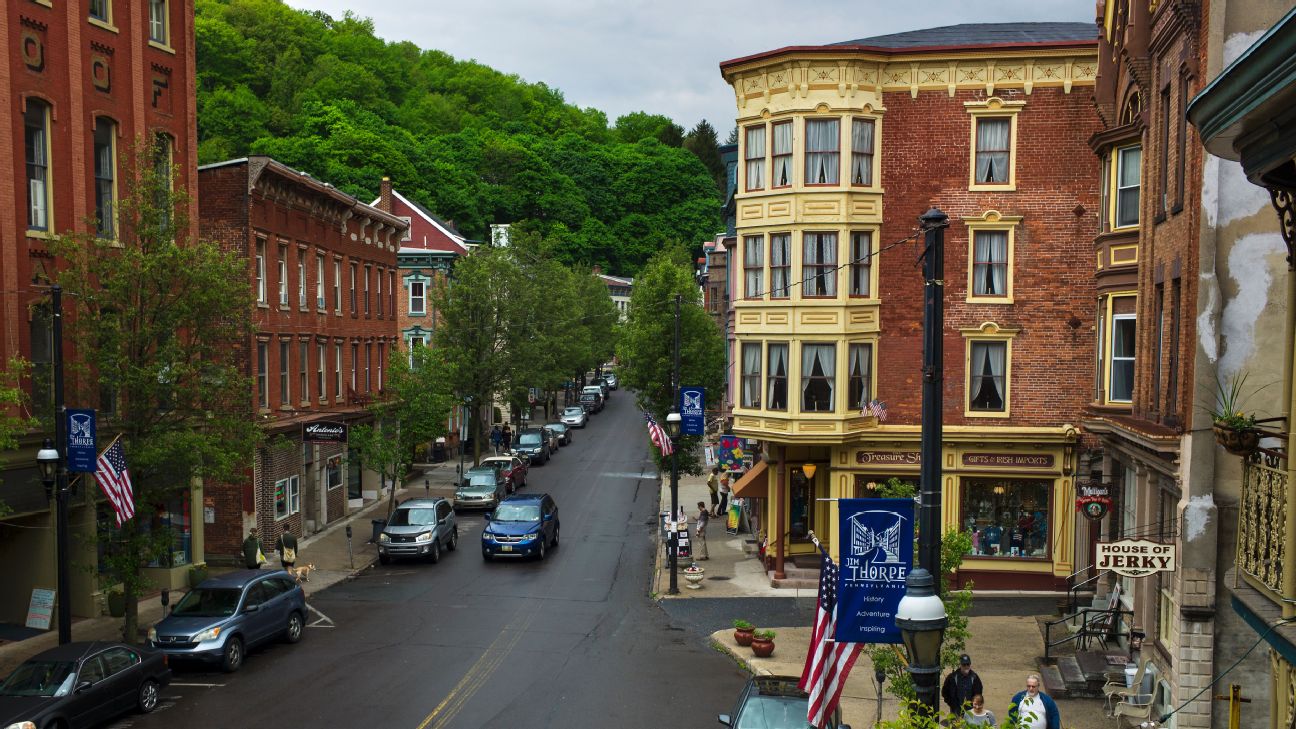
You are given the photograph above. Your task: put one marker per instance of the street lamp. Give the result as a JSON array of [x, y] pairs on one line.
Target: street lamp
[[673, 430], [47, 459], [673, 424], [50, 461], [921, 619]]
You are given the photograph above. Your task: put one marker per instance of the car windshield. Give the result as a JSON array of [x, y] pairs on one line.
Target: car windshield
[[413, 516], [531, 438], [208, 602], [517, 512], [773, 712], [556, 427], [494, 465], [481, 479], [487, 469], [40, 678], [589, 396], [575, 412]]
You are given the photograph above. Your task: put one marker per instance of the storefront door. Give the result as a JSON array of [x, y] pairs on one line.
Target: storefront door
[[801, 506]]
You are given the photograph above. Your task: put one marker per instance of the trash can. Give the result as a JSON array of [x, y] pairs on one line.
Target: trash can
[[1130, 670], [438, 452], [378, 525]]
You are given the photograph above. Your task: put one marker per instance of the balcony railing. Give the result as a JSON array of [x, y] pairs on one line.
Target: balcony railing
[[1263, 523]]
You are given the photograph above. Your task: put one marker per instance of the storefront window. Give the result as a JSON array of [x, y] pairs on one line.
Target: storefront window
[[353, 475], [801, 507], [174, 516], [877, 486], [1007, 517], [334, 472]]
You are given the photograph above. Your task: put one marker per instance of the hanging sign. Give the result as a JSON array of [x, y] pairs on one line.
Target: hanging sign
[[877, 543], [1135, 557], [82, 452], [324, 431], [692, 410], [729, 455], [1094, 500]]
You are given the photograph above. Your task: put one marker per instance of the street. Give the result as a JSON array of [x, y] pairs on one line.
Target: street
[[574, 641]]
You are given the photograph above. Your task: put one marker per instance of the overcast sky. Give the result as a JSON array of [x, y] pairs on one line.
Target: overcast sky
[[660, 56]]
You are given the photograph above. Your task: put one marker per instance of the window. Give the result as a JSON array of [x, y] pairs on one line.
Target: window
[[987, 384], [1158, 314], [780, 265], [1162, 198], [1182, 136], [337, 370], [320, 352], [751, 375], [158, 21], [368, 383], [382, 357], [380, 292], [861, 263], [754, 153], [819, 265], [823, 141], [337, 286], [260, 271], [303, 383], [782, 155], [101, 10], [36, 143], [355, 363], [353, 288], [990, 263], [391, 292], [367, 270], [162, 144], [1172, 385], [861, 152], [1120, 387], [301, 279], [263, 367], [776, 379], [285, 388], [417, 297], [993, 148], [818, 376], [283, 276], [859, 365], [1127, 186], [319, 281], [105, 168], [753, 266], [1007, 517], [287, 497], [1099, 346], [1105, 218]]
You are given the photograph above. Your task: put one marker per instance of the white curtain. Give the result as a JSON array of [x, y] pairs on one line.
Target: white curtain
[[860, 256], [818, 370], [780, 246], [819, 263], [751, 375], [992, 150], [862, 152], [756, 158], [777, 396], [822, 163], [783, 154], [990, 277], [859, 374], [988, 370], [753, 262]]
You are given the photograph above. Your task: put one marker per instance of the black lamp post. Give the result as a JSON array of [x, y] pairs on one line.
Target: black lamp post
[[673, 430], [921, 619], [50, 462]]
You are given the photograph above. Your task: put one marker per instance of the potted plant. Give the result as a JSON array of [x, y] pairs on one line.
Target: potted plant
[[1234, 429], [763, 643], [116, 602], [197, 574], [743, 632]]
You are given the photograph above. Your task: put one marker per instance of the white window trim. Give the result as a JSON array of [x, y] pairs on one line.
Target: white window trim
[[1116, 188], [421, 298], [292, 497], [1111, 357]]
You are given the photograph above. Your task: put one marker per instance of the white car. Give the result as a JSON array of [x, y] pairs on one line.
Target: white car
[[575, 417], [611, 380]]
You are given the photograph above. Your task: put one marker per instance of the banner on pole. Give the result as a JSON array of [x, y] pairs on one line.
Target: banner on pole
[[81, 449], [692, 407], [877, 544]]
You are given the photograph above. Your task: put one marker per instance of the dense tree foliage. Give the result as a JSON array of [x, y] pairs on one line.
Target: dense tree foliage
[[327, 96]]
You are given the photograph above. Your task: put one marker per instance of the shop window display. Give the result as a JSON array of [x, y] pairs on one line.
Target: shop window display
[[1007, 518]]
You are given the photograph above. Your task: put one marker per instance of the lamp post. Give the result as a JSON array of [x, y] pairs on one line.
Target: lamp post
[[921, 619], [673, 430], [49, 461]]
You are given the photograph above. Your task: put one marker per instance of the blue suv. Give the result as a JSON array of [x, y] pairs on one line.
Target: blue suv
[[223, 617], [523, 525]]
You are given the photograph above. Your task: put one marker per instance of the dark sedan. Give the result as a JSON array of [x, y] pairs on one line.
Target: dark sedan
[[83, 685]]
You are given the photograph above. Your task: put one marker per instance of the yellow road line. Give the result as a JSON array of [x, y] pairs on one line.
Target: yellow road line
[[477, 674]]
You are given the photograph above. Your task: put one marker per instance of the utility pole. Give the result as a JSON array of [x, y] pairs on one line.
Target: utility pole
[[929, 544], [674, 434], [61, 483]]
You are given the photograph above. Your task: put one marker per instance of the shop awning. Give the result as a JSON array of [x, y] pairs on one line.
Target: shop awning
[[754, 484]]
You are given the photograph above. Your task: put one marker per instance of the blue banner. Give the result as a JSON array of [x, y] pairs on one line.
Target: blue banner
[[877, 544], [692, 407], [82, 451]]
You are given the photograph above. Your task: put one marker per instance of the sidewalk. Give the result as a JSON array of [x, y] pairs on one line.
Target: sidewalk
[[326, 550], [1003, 648]]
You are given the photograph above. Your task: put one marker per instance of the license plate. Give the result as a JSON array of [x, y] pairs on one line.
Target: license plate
[[506, 548]]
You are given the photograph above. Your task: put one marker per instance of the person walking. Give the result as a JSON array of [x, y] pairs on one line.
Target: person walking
[[286, 545], [699, 531], [497, 437], [252, 557], [506, 437], [725, 490], [960, 686], [979, 715], [713, 485], [1034, 709]]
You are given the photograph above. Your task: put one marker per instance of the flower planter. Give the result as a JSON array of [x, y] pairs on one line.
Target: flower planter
[[694, 575], [743, 636], [762, 648], [1237, 442]]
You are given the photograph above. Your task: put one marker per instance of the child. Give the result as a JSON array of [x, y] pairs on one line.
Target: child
[[979, 715]]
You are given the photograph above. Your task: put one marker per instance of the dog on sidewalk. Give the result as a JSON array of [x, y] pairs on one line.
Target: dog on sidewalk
[[301, 574]]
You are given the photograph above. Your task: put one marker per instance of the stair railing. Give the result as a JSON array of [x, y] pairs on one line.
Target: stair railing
[[1074, 588], [1101, 623]]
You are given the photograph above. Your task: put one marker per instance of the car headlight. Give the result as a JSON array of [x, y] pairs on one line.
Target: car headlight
[[424, 537], [532, 535], [152, 635], [382, 537], [22, 725], [487, 537], [208, 634]]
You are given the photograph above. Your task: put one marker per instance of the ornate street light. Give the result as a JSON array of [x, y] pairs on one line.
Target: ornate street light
[[921, 619], [673, 424], [47, 459]]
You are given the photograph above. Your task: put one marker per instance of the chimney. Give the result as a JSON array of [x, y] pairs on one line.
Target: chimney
[[597, 269], [384, 195]]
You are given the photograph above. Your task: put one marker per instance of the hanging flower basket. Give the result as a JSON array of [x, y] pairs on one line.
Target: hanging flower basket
[[1238, 442]]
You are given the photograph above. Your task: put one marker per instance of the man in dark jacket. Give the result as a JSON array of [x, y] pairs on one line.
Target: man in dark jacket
[[251, 550], [960, 686]]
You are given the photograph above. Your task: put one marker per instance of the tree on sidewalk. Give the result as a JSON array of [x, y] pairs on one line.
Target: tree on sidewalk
[[160, 325], [13, 408]]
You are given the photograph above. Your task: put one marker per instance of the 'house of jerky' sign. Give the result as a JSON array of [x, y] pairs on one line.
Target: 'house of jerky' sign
[[324, 431], [1135, 557]]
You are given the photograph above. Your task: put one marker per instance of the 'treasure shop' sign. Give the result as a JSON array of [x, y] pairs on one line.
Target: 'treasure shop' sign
[[887, 458], [324, 431]]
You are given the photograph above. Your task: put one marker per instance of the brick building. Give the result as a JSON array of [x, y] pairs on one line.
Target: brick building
[[323, 267], [842, 147], [84, 83]]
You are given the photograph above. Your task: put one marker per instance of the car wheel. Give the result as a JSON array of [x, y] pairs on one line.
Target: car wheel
[[486, 556], [384, 559], [541, 554], [232, 657], [293, 632], [149, 693], [555, 538], [435, 556], [454, 540]]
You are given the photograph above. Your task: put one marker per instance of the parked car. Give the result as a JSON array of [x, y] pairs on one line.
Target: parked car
[[591, 401], [484, 468], [513, 469], [611, 379], [524, 525], [774, 702], [533, 444], [604, 386], [564, 433], [481, 490], [82, 685], [555, 440], [575, 417], [225, 616], [419, 528]]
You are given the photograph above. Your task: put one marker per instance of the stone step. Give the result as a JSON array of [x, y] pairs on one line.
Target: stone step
[[1054, 686], [792, 582]]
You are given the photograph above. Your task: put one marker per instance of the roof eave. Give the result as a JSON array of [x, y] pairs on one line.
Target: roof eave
[[725, 66]]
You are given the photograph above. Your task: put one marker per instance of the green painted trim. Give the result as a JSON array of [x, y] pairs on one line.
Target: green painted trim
[[1263, 71], [1274, 638]]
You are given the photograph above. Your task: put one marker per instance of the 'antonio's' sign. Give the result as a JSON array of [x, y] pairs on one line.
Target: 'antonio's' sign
[[324, 431], [1135, 557]]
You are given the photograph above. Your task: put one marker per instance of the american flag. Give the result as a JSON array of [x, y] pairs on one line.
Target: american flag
[[115, 481], [876, 408], [827, 662], [659, 436]]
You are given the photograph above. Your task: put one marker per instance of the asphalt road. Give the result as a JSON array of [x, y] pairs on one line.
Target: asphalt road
[[574, 641]]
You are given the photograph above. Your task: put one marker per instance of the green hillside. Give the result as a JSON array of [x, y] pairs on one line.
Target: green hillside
[[477, 146]]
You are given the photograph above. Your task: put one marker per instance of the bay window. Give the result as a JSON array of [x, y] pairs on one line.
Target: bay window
[[780, 265], [1120, 386], [861, 263], [862, 152], [754, 154], [859, 364], [823, 159], [818, 377], [776, 377], [1128, 166], [819, 265], [753, 266], [751, 375], [782, 155]]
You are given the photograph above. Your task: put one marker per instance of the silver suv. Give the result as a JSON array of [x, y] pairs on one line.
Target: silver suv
[[419, 528]]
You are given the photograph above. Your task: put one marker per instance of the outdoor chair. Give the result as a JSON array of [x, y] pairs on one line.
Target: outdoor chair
[[1136, 708], [1116, 690]]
